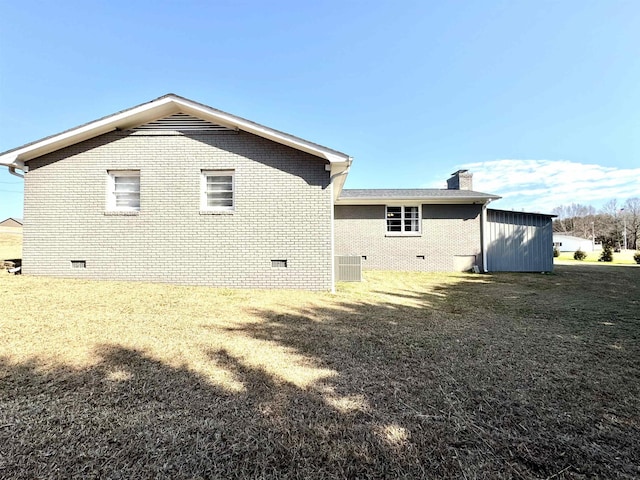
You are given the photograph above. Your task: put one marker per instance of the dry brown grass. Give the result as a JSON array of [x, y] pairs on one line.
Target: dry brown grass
[[10, 246], [402, 376]]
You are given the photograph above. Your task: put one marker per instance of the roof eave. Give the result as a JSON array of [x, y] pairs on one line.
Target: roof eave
[[161, 107], [421, 200]]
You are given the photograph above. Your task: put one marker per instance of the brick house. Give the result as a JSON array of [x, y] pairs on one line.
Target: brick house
[[176, 191]]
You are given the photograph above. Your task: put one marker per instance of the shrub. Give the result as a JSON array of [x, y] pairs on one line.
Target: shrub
[[636, 257], [579, 255], [556, 252], [607, 254]]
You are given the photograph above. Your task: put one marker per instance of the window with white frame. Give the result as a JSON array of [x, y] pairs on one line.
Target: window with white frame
[[403, 220], [217, 190], [123, 190]]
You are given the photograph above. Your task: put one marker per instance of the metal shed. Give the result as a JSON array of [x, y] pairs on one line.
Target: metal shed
[[519, 241]]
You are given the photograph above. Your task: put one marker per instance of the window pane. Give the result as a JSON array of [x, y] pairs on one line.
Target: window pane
[[220, 195], [219, 202], [410, 212], [131, 200], [411, 220], [393, 212], [218, 178], [213, 187], [410, 225], [394, 219], [126, 191], [218, 189], [394, 225], [127, 188]]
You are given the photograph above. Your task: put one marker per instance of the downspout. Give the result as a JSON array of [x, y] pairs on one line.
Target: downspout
[[333, 233], [485, 235]]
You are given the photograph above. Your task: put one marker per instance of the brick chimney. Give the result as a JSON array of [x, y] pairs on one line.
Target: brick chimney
[[460, 180]]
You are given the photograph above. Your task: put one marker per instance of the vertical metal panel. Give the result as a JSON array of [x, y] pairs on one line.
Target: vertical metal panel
[[348, 268], [519, 242]]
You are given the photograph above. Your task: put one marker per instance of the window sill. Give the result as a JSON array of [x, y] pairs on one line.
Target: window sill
[[122, 213], [217, 212], [403, 234]]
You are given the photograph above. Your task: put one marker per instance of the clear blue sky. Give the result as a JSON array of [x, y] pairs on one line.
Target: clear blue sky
[[540, 99]]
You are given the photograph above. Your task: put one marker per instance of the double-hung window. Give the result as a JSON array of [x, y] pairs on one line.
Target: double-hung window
[[123, 191], [403, 220], [217, 190]]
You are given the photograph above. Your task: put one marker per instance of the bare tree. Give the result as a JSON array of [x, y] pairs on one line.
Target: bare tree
[[574, 219], [631, 214], [608, 224]]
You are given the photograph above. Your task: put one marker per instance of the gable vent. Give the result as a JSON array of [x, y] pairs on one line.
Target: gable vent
[[182, 122]]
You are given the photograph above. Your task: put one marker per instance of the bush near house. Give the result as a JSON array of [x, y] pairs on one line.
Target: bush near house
[[579, 255], [636, 257], [607, 253], [556, 252]]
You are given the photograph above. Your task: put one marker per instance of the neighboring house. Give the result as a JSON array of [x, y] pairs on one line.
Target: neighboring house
[[176, 191], [568, 243], [11, 223]]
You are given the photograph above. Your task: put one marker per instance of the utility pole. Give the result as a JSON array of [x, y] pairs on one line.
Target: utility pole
[[593, 237]]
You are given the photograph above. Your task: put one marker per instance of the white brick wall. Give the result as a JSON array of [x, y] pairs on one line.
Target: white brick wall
[[449, 240], [282, 211]]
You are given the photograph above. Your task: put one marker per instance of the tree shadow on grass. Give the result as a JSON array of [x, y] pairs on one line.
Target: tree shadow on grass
[[130, 416], [428, 389]]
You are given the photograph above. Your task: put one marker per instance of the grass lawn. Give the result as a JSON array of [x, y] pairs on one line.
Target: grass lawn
[[624, 257], [10, 246], [406, 375]]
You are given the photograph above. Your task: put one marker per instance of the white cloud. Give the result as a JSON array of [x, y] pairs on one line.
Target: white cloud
[[541, 185]]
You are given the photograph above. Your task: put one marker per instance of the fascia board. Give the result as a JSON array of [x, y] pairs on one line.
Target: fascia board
[[137, 115], [159, 108], [232, 121], [414, 200]]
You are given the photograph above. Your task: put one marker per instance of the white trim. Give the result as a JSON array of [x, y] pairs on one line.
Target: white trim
[[227, 172], [162, 107], [111, 190], [399, 201], [403, 232]]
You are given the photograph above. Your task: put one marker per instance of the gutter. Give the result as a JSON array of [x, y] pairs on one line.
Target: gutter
[[14, 164], [12, 171]]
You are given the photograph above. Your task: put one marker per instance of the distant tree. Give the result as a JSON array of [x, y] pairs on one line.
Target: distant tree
[[606, 225], [611, 229], [631, 214], [574, 219]]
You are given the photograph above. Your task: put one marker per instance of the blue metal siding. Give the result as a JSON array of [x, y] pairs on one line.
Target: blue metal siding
[[519, 242]]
